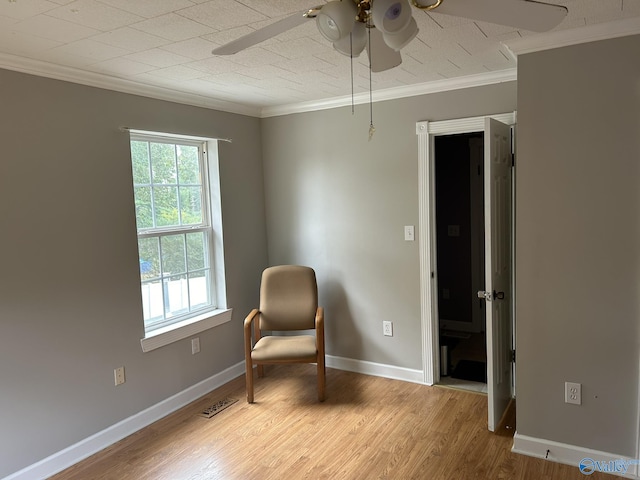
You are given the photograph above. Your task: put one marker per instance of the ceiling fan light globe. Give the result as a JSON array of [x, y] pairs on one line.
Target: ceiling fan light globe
[[335, 20], [354, 43], [391, 16], [401, 39]]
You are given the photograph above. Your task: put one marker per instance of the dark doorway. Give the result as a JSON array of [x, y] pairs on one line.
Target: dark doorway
[[459, 212]]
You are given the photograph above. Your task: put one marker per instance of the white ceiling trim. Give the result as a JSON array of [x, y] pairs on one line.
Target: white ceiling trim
[[574, 36], [74, 75], [437, 86], [529, 44]]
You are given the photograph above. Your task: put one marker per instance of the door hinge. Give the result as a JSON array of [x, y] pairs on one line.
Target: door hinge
[[513, 356]]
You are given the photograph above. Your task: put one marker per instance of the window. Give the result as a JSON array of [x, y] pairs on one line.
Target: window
[[175, 234]]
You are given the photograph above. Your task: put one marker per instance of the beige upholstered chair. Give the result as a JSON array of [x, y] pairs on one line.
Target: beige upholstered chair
[[288, 302]]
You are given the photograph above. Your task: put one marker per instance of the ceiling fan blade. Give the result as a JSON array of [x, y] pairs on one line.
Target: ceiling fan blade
[[381, 56], [263, 34], [522, 14]]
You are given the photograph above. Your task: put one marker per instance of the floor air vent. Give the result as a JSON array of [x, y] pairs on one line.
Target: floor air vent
[[217, 407]]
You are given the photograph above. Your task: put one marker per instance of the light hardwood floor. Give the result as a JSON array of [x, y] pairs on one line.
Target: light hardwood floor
[[368, 428]]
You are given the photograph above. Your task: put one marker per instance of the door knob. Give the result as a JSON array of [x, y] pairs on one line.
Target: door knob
[[485, 295], [488, 296]]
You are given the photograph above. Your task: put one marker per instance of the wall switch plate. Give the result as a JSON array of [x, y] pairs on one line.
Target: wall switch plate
[[195, 345], [409, 234], [387, 329], [118, 375], [573, 393]]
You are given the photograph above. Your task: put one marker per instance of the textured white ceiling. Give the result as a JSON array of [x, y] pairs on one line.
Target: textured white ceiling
[[168, 43]]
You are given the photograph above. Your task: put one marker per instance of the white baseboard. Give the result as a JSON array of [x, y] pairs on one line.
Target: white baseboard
[[376, 369], [569, 454], [93, 444], [75, 453]]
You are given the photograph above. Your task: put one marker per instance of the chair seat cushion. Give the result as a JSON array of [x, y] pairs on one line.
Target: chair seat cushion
[[299, 348]]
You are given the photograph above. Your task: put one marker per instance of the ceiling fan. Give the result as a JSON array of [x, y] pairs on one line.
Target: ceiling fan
[[384, 27]]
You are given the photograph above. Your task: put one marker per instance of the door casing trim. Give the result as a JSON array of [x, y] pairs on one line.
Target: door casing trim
[[426, 132]]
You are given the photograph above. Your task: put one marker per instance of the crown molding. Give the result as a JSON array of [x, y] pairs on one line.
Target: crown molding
[[574, 36], [533, 43], [91, 79], [437, 86]]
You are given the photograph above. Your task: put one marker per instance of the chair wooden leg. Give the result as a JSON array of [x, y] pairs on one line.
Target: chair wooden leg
[[321, 379], [249, 377], [247, 354], [260, 371]]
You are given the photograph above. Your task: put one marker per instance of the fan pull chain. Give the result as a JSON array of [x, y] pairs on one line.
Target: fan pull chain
[[372, 129]]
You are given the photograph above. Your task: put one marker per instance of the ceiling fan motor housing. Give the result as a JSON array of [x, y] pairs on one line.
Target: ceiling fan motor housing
[[387, 26]]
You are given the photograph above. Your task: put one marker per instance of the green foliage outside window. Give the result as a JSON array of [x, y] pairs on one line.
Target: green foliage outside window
[[167, 183], [168, 190]]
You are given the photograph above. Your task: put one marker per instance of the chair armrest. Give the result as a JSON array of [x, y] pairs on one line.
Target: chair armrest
[[320, 330], [247, 328], [250, 317], [320, 318]]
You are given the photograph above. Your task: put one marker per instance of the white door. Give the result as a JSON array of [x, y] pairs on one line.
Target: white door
[[497, 148]]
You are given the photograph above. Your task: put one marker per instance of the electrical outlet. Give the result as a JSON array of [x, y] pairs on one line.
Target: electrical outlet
[[387, 329], [118, 375], [573, 393], [195, 345]]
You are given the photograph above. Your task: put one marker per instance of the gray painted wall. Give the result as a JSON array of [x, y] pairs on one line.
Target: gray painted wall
[[69, 303], [578, 237], [339, 203], [70, 308]]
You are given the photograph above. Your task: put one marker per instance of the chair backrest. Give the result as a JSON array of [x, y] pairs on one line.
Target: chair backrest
[[288, 298]]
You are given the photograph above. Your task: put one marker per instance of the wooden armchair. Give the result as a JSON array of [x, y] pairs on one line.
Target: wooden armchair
[[288, 302]]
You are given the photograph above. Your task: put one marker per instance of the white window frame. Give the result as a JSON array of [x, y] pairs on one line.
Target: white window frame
[[218, 313]]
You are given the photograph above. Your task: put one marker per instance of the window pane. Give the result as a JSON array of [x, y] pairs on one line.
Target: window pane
[[199, 290], [170, 198], [144, 212], [140, 162], [190, 205], [152, 302], [173, 254], [188, 165], [165, 200], [176, 295], [149, 253], [163, 163], [196, 258]]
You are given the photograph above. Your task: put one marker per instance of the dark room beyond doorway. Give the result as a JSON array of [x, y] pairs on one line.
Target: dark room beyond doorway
[[459, 212]]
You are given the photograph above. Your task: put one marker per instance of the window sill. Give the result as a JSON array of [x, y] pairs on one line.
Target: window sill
[[178, 331]]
